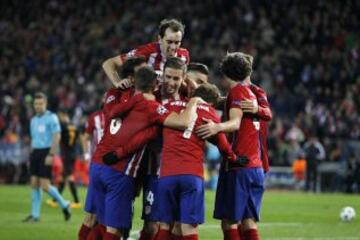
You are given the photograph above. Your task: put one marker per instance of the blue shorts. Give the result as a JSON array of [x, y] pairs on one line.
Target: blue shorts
[[239, 194], [90, 205], [181, 198], [114, 195], [150, 212]]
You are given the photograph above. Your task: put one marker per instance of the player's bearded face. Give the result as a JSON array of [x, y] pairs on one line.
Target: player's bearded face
[[173, 79], [170, 43]]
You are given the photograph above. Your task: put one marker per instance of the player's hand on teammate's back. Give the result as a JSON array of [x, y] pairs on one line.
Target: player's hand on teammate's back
[[49, 160], [249, 106], [110, 158], [124, 84], [207, 130]]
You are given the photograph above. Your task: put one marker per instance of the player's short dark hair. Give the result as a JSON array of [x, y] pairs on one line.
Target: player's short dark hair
[[175, 63], [174, 24], [198, 67], [128, 68], [208, 92], [40, 95], [237, 65], [145, 79]]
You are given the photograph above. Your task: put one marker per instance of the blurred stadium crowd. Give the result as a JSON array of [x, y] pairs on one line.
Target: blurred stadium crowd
[[307, 58]]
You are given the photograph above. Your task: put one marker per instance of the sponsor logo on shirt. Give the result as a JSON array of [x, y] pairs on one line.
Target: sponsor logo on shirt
[[110, 99], [131, 53]]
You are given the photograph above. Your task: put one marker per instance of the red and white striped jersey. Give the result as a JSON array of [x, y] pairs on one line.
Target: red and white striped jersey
[[155, 59], [95, 128]]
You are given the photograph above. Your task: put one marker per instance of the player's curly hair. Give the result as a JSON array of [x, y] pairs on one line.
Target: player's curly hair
[[145, 79], [208, 92], [237, 65], [174, 24]]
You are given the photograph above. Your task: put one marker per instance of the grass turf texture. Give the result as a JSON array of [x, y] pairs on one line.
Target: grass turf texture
[[285, 216]]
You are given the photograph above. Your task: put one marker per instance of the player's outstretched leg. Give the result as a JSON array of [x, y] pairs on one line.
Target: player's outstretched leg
[[36, 196], [54, 193]]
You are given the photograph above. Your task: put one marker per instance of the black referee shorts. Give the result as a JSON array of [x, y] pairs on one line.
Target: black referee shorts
[[37, 163]]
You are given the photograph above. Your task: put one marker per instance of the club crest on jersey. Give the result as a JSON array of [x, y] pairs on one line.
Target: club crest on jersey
[[131, 53], [110, 99], [161, 110]]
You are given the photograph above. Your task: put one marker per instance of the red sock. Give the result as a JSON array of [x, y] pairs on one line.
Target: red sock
[[96, 232], [146, 236], [231, 234], [143, 235], [251, 234], [175, 237], [102, 229], [83, 232], [163, 235], [110, 236], [190, 237], [239, 231]]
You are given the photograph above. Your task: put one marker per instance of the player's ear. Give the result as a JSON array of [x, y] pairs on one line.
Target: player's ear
[[159, 38], [132, 79]]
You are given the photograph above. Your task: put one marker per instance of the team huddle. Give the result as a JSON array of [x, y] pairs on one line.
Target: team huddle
[[156, 121]]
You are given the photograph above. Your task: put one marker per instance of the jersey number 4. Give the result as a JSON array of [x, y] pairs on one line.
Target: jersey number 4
[[150, 197]]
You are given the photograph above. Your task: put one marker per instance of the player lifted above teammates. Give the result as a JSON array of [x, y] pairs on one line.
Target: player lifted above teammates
[[171, 33]]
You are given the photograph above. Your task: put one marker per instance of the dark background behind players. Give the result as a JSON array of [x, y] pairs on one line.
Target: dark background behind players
[[306, 58]]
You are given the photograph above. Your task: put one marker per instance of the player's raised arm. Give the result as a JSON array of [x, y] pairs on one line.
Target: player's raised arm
[[210, 128], [110, 67], [183, 120]]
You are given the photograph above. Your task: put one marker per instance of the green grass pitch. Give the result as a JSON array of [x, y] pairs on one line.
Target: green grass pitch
[[285, 216]]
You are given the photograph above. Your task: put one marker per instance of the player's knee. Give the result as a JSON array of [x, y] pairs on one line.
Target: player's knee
[[249, 223], [44, 186], [89, 219], [164, 226], [189, 229], [114, 231], [152, 227], [227, 224]]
